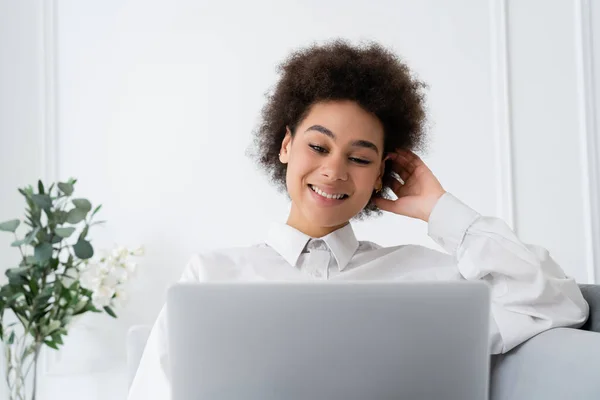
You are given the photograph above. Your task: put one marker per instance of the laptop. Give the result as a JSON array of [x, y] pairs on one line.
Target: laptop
[[329, 340]]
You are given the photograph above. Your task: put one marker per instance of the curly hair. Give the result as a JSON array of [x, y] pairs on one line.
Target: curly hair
[[369, 74]]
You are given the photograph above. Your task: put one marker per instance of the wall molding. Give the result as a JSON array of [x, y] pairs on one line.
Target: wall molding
[[49, 121], [48, 70], [588, 131], [502, 120]]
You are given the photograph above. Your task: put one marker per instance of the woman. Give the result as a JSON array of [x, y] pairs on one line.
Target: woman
[[340, 123]]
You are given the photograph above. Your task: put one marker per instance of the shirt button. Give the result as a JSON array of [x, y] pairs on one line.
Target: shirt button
[[316, 244]]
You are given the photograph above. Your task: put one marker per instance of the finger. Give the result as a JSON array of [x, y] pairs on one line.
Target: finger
[[402, 162], [411, 157], [409, 154]]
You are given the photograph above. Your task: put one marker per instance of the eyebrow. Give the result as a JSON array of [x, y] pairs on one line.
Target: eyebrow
[[357, 143]]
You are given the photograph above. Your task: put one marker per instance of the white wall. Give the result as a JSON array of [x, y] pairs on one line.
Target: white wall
[[151, 105], [21, 118], [549, 92]]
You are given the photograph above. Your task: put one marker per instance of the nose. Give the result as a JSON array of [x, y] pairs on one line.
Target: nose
[[335, 168]]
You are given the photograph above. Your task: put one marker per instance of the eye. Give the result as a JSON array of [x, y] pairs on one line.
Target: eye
[[360, 161], [318, 149]]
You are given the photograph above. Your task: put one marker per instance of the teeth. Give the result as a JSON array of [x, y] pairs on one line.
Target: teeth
[[327, 195]]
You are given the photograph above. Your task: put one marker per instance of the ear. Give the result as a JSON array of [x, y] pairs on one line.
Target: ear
[[286, 147], [382, 170]]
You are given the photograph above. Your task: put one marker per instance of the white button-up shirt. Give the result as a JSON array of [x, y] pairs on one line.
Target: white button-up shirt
[[530, 292]]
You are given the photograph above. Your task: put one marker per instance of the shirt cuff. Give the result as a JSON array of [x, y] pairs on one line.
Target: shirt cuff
[[449, 221]]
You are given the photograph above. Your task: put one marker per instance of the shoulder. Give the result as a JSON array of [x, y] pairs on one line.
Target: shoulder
[[224, 263], [406, 251]]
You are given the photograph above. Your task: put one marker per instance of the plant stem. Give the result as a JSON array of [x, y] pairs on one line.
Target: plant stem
[[35, 361]]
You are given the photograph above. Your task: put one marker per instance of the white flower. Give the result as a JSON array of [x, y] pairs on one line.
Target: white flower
[[90, 278], [106, 265], [107, 276], [120, 252], [90, 267], [102, 296], [120, 274], [110, 280], [139, 251], [131, 267], [121, 298]]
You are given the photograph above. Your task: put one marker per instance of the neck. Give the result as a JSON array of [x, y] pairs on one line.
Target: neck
[[296, 220]]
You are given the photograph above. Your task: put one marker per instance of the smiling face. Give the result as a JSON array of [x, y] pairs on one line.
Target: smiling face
[[334, 163]]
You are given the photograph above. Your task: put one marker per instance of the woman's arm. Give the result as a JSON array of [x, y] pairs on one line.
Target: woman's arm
[[530, 291]]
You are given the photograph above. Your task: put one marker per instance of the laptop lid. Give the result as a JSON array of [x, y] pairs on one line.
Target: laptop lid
[[329, 340]]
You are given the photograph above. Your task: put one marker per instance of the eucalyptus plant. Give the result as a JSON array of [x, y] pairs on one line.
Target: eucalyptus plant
[[44, 292]]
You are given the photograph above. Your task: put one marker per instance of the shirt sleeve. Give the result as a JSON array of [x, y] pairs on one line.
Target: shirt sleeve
[[530, 293], [151, 380]]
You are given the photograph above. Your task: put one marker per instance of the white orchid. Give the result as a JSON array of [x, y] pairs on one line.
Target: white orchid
[[102, 296], [140, 251], [107, 276]]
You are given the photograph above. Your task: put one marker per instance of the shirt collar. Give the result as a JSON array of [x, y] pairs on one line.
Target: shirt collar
[[289, 243]]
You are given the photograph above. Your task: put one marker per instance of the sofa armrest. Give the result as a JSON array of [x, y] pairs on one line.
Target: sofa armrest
[[591, 294], [561, 363]]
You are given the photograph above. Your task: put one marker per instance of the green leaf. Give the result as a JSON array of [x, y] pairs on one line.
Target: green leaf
[[53, 264], [42, 236], [50, 328], [43, 253], [30, 350], [80, 306], [33, 286], [76, 215], [83, 204], [51, 343], [42, 201], [66, 188], [40, 187], [12, 299], [27, 239], [64, 232], [56, 338], [30, 260], [11, 338], [110, 312], [96, 210], [47, 291], [83, 249], [17, 271], [17, 281], [18, 243], [10, 226], [60, 217], [84, 232]]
